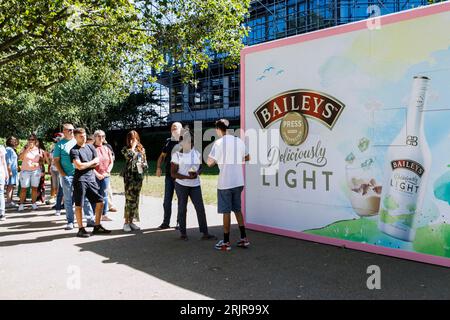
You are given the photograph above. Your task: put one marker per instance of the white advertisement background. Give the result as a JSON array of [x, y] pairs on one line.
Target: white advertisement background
[[371, 73]]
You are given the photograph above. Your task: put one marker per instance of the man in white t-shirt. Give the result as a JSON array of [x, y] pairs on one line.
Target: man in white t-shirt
[[229, 153]]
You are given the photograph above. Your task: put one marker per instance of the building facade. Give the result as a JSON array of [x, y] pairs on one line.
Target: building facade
[[217, 92]]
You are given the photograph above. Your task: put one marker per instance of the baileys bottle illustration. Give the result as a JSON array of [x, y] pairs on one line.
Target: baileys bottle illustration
[[406, 170]]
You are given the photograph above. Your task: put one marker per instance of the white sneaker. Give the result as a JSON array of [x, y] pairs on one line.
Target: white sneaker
[[69, 226], [126, 227], [34, 206], [58, 213], [134, 227], [12, 204], [2, 218], [21, 207]]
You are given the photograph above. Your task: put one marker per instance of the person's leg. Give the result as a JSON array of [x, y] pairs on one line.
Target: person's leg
[[98, 212], [25, 180], [88, 210], [79, 216], [34, 194], [94, 196], [224, 201], [23, 195], [53, 185], [133, 189], [128, 197], [169, 188], [137, 187], [59, 198], [111, 205], [2, 201], [226, 226], [195, 194], [236, 207], [9, 193], [67, 186], [103, 186], [35, 182], [182, 195]]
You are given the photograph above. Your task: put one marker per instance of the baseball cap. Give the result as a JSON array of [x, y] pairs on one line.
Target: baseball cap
[[58, 136]]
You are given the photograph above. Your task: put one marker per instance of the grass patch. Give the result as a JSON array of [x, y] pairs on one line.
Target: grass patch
[[154, 186]]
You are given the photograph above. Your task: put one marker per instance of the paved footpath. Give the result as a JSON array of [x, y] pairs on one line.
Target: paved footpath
[[40, 260]]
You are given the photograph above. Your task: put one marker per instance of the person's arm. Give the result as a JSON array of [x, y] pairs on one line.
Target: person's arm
[[75, 156], [85, 165], [175, 175], [5, 168], [161, 159], [212, 158], [8, 162], [23, 152], [111, 162], [211, 162], [98, 175], [57, 162]]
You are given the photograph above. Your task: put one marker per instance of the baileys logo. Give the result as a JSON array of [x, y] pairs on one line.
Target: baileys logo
[[292, 107]]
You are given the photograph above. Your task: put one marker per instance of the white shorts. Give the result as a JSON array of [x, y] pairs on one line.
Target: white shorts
[[28, 178]]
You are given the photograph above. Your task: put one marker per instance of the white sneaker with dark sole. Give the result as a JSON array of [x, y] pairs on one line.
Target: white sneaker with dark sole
[[134, 227], [69, 226]]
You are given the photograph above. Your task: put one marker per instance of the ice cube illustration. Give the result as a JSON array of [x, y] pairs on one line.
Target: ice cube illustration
[[350, 158], [367, 164], [363, 144]]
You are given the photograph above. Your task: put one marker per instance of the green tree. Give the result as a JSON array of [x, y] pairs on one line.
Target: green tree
[[42, 42], [138, 110], [88, 99]]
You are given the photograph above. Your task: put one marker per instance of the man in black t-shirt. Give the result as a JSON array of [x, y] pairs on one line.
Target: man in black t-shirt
[[166, 156], [85, 159]]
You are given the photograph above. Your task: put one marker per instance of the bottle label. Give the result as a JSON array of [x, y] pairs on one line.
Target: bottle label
[[411, 165], [400, 201]]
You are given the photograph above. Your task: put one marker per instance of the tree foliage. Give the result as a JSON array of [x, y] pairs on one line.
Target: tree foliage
[[43, 42]]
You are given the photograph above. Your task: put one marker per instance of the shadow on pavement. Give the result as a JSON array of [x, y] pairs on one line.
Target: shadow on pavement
[[36, 240], [273, 267]]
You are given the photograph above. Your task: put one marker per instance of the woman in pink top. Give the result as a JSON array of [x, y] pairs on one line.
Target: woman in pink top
[[103, 170], [32, 157]]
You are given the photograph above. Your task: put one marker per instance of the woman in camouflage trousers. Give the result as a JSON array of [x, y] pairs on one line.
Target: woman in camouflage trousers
[[133, 176]]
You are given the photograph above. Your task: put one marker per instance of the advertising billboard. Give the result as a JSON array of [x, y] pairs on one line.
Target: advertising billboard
[[349, 134]]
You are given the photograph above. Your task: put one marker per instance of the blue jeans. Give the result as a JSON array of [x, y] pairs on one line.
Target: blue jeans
[[195, 193], [169, 190], [67, 186], [104, 185], [59, 198]]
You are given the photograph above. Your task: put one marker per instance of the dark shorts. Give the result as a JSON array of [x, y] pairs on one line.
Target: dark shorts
[[89, 190], [229, 200]]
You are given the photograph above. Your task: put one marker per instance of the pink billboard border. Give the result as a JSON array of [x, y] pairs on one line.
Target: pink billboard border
[[355, 26]]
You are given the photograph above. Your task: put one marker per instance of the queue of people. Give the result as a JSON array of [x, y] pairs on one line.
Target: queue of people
[[80, 167]]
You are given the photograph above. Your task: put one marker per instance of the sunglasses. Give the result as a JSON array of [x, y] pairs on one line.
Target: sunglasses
[[31, 139], [70, 130]]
